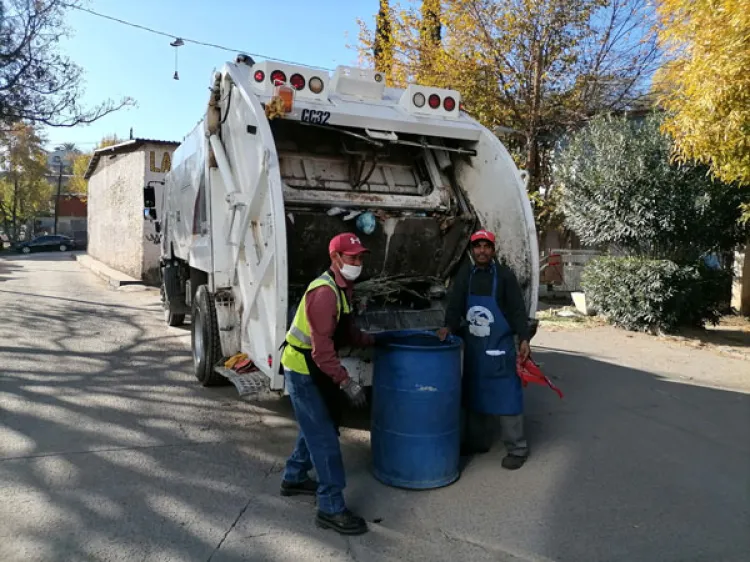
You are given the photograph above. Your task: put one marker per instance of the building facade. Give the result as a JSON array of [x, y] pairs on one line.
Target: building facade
[[120, 234]]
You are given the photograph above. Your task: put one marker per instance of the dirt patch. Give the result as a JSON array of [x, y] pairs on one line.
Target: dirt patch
[[557, 317], [730, 337]]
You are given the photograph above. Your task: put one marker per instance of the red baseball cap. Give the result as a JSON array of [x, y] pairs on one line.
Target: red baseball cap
[[347, 244], [483, 235]]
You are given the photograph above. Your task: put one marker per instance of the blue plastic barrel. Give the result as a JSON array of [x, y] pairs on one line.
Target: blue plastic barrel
[[416, 410]]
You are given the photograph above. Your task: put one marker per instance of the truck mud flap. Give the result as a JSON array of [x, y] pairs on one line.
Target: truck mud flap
[[174, 292], [254, 386]]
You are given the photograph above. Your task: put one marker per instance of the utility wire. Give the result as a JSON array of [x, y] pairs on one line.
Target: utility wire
[[186, 40]]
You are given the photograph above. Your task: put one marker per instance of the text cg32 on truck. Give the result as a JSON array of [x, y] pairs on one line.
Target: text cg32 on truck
[[284, 156]]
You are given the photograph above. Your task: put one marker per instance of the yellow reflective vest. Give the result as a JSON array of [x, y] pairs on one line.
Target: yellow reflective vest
[[298, 336]]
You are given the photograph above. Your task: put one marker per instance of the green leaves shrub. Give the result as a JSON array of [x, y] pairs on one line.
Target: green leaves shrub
[[644, 294]]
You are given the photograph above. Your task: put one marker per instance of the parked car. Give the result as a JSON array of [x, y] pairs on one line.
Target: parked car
[[48, 243]]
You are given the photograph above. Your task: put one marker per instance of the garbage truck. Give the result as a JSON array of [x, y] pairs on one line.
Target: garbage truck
[[288, 156]]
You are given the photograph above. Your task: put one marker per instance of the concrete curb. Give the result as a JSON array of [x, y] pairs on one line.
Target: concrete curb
[[115, 279]]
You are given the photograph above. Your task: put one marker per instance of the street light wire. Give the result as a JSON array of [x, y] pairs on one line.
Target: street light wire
[[187, 40]]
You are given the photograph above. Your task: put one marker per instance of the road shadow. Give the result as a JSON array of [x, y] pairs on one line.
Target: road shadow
[[7, 268], [628, 466], [104, 431], [111, 450], [736, 335]]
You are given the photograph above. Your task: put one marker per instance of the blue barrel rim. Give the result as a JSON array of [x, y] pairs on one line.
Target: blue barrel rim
[[419, 486], [449, 344]]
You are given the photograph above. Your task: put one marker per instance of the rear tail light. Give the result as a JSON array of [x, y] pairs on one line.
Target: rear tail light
[[278, 77], [316, 85], [449, 104], [418, 99], [260, 76], [434, 101], [297, 81]]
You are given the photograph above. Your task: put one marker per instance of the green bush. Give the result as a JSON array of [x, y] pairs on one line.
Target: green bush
[[654, 295], [620, 188]]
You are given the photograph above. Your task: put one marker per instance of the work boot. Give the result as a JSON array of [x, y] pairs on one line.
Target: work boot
[[513, 462], [345, 522], [307, 488]]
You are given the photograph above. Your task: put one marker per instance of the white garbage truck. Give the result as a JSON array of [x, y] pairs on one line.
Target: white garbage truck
[[288, 156]]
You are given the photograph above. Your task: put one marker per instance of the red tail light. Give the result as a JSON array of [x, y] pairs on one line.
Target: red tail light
[[449, 104], [260, 76], [297, 81], [278, 77], [434, 101]]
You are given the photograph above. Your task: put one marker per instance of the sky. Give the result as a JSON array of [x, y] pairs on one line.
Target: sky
[[120, 61]]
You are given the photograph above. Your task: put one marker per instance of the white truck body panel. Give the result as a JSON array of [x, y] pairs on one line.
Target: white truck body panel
[[241, 185], [499, 192]]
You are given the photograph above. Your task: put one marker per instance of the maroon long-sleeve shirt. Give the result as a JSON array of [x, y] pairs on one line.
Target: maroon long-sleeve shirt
[[320, 306]]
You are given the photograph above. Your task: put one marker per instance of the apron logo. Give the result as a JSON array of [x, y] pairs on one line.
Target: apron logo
[[479, 319]]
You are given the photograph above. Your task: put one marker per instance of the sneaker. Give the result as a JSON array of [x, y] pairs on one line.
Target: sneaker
[[307, 488], [345, 522], [513, 462]]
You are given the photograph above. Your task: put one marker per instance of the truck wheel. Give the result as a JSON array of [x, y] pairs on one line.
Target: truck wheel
[[205, 338], [172, 318]]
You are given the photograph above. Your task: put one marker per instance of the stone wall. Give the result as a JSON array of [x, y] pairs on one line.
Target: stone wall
[[115, 212]]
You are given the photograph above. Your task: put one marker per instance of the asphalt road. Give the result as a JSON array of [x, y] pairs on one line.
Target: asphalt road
[[109, 450]]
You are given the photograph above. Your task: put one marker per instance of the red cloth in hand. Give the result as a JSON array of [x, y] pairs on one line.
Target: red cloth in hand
[[529, 372]]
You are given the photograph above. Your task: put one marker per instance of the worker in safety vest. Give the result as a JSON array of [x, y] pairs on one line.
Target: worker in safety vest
[[487, 309], [318, 384]]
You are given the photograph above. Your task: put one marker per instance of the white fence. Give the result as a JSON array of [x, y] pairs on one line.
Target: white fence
[[563, 268]]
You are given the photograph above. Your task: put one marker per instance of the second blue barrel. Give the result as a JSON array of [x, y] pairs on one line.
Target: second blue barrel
[[416, 411]]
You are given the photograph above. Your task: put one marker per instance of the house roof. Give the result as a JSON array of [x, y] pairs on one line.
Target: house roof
[[124, 147]]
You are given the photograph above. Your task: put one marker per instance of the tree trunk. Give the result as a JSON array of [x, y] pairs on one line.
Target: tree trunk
[[6, 220], [532, 160], [532, 133], [14, 210]]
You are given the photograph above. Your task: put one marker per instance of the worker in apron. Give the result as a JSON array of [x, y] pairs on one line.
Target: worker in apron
[[487, 310]]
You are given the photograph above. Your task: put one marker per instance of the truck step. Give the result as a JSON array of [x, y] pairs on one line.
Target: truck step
[[249, 385]]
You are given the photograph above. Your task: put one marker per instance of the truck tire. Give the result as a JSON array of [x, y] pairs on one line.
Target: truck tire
[[170, 286], [205, 341], [172, 318]]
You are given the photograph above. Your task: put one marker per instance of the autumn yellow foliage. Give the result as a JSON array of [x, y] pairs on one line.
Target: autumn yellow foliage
[[77, 183], [531, 67], [706, 85]]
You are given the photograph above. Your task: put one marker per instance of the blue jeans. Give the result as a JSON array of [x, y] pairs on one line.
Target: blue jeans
[[317, 444]]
